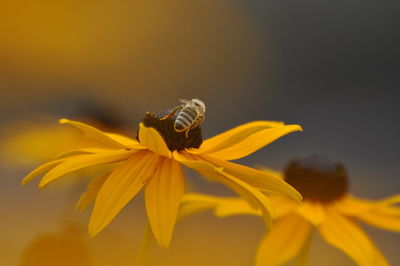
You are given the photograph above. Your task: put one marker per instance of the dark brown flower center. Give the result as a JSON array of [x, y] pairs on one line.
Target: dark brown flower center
[[317, 178], [174, 140]]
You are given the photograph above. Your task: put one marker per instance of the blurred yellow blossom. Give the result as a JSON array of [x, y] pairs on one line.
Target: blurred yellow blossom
[[64, 248], [28, 143], [327, 207]]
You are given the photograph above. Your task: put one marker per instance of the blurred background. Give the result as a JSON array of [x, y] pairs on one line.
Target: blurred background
[[330, 66]]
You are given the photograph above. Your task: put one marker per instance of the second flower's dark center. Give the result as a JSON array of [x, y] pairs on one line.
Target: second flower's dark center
[[174, 140], [317, 178]]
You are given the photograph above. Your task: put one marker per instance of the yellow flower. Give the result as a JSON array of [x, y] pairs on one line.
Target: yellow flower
[[64, 248], [327, 207], [32, 143], [154, 162]]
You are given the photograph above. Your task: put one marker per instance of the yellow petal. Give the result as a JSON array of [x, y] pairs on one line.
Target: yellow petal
[[271, 171], [352, 206], [73, 163], [389, 201], [252, 195], [95, 134], [78, 151], [91, 193], [120, 187], [163, 196], [92, 150], [257, 178], [254, 142], [283, 205], [234, 135], [194, 203], [197, 164], [40, 170], [235, 206], [255, 197], [312, 211], [384, 213], [126, 141], [284, 241], [345, 235], [244, 140], [223, 206], [302, 257], [385, 218], [150, 138]]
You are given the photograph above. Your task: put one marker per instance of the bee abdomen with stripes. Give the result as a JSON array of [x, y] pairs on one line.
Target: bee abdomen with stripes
[[185, 118]]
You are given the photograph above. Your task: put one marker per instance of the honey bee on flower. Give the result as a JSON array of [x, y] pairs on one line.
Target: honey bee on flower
[[188, 115], [327, 207], [153, 161]]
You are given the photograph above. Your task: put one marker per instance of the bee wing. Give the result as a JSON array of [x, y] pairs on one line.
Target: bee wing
[[183, 100]]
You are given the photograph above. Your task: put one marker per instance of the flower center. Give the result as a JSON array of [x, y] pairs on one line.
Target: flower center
[[174, 140], [317, 178]]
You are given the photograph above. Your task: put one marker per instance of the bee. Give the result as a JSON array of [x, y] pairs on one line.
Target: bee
[[188, 115]]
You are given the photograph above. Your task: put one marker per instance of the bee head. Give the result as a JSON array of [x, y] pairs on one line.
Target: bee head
[[199, 104]]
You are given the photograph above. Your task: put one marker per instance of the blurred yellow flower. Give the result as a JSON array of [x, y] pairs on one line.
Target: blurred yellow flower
[[154, 162], [39, 139], [327, 206], [65, 248], [27, 143]]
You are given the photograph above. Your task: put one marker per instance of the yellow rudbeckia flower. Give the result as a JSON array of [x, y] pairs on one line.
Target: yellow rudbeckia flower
[[153, 162], [327, 207]]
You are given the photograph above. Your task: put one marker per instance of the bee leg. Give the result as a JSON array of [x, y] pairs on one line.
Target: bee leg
[[172, 113], [187, 132], [197, 122]]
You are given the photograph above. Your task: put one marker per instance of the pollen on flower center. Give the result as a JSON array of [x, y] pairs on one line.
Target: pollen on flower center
[[174, 140], [317, 178]]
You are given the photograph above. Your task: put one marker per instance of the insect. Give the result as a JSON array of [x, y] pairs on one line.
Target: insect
[[188, 115]]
